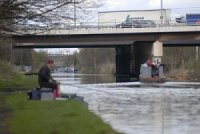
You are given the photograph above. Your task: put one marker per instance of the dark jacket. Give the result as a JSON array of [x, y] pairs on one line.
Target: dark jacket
[[44, 75]]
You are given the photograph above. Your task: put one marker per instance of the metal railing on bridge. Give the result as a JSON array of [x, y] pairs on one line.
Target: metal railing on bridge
[[103, 25]]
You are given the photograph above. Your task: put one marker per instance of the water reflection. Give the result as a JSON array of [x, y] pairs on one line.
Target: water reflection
[[143, 109], [85, 78]]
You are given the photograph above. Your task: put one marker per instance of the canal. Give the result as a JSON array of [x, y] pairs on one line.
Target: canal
[[136, 108]]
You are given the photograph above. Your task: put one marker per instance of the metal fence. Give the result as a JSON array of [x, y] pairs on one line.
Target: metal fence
[[103, 25]]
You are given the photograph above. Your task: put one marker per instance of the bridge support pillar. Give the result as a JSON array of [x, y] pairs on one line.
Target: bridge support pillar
[[123, 64], [157, 51]]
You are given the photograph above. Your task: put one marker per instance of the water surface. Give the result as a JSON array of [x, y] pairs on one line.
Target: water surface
[[136, 108]]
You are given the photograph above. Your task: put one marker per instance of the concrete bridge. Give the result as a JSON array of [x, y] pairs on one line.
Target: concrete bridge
[[133, 45]]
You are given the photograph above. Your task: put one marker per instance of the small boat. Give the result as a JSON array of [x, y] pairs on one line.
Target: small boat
[[151, 79], [146, 75]]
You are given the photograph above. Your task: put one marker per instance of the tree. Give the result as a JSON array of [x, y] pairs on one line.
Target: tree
[[93, 59], [76, 59], [38, 59], [23, 14], [5, 49], [22, 57]]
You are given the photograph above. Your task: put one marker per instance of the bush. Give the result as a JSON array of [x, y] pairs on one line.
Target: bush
[[6, 71], [189, 71], [196, 70], [108, 68]]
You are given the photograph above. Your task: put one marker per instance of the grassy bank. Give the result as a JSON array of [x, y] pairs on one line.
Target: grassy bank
[[44, 117], [52, 117], [18, 82]]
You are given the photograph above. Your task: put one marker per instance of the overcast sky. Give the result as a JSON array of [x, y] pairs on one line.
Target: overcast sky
[[149, 4]]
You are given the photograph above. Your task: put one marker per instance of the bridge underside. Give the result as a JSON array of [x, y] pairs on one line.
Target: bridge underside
[[102, 44], [181, 43], [103, 40]]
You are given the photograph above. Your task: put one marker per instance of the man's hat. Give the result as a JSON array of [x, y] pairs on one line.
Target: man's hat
[[50, 61]]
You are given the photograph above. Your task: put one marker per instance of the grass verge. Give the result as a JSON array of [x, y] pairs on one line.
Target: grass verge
[[18, 82], [52, 117]]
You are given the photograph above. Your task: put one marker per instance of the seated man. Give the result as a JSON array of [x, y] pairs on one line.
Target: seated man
[[153, 65], [45, 79], [150, 63]]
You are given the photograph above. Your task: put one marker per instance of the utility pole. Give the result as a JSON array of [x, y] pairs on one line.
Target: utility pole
[[161, 12], [74, 12]]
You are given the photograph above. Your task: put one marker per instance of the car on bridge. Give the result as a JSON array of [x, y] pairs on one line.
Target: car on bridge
[[136, 24]]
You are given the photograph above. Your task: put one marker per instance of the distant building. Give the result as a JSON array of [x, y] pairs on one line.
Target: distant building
[[117, 17]]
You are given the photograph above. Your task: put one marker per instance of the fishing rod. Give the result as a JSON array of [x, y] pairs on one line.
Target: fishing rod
[[87, 88]]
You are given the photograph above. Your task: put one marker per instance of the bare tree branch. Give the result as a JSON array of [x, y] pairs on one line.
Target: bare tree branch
[[16, 14]]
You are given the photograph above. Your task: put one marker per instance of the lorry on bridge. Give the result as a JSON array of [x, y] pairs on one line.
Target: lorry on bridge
[[189, 19], [193, 19]]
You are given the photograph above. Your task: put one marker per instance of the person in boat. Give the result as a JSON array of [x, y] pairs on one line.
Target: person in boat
[[45, 79], [153, 65]]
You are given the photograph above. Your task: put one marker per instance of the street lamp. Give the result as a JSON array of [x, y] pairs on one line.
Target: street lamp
[[161, 11]]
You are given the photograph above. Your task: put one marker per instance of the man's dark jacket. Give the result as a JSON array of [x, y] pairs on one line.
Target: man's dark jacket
[[44, 75]]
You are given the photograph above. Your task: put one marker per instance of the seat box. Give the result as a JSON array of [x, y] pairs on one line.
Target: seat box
[[34, 94], [46, 94]]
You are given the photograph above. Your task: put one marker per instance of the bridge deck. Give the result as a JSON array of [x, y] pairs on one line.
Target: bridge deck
[[115, 30]]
